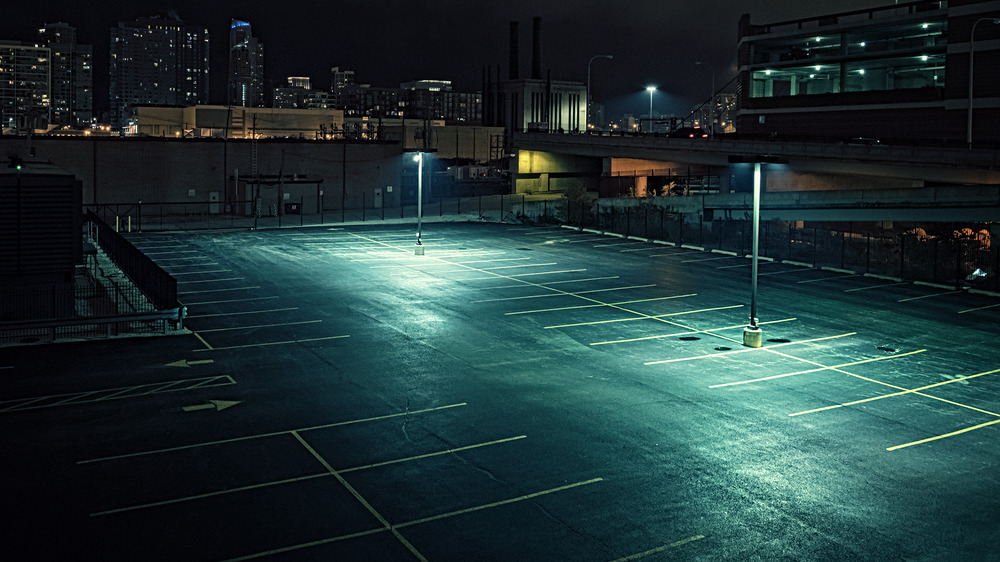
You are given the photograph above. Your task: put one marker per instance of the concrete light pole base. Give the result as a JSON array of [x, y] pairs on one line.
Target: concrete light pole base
[[753, 336], [418, 250]]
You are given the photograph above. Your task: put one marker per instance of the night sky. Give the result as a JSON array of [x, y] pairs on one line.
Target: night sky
[[390, 41]]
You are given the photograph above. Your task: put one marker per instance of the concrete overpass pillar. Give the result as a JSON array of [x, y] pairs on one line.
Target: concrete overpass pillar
[[725, 179]]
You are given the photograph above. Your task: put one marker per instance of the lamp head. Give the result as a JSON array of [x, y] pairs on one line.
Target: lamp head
[[650, 89]]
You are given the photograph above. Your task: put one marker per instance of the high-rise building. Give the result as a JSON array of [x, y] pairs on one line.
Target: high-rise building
[[72, 75], [294, 95], [157, 61], [341, 87], [25, 86], [246, 66]]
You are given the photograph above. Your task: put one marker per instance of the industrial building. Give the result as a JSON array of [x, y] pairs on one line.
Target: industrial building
[[903, 71]]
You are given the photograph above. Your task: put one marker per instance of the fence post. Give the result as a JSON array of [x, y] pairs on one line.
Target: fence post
[[789, 240], [680, 228], [958, 263], [815, 247], [842, 242], [364, 206], [302, 209], [522, 208], [628, 220], [139, 217], [868, 253], [501, 207], [902, 254], [934, 277], [767, 234]]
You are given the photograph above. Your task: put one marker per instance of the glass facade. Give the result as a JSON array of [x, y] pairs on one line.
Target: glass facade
[[907, 55], [25, 79]]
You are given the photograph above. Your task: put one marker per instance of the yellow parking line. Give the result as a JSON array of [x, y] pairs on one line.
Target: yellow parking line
[[875, 287], [499, 503], [749, 349], [407, 524], [818, 369], [565, 294], [659, 549], [266, 344], [357, 495], [273, 434], [597, 305], [260, 326], [644, 317], [980, 308], [691, 331], [911, 391], [929, 296], [202, 340], [936, 437]]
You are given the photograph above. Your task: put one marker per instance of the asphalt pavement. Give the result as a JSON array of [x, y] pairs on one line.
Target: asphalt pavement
[[515, 393]]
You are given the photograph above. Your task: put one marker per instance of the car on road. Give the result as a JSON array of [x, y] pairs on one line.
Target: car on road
[[689, 133]]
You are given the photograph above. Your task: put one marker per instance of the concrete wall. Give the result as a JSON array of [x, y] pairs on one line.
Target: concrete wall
[[116, 170], [547, 172]]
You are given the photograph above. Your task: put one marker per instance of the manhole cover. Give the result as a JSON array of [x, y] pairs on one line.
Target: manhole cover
[[779, 340], [723, 348], [889, 349], [690, 338], [525, 249]]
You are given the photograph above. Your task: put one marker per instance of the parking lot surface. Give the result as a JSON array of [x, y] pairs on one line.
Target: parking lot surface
[[515, 393]]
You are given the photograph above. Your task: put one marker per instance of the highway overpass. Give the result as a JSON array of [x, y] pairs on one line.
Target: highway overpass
[[862, 180]]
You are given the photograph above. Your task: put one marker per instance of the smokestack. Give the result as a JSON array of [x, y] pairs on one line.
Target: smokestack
[[513, 74], [536, 48]]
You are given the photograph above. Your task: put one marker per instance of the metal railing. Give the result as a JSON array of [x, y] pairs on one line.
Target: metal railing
[[945, 258], [151, 279], [951, 257]]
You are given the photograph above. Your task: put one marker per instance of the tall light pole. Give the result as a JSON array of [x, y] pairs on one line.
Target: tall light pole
[[972, 54], [753, 336], [650, 89], [711, 107], [588, 84], [419, 250]]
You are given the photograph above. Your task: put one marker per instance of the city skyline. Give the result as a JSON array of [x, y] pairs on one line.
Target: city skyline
[[387, 43]]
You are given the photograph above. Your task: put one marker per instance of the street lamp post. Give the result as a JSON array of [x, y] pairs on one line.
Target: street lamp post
[[752, 335], [588, 83], [650, 89], [419, 250], [711, 107], [972, 54]]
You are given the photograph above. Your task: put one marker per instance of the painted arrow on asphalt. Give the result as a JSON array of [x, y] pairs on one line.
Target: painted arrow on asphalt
[[186, 363], [217, 405]]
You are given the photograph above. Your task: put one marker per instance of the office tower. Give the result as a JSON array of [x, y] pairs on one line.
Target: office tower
[[246, 66], [157, 61], [72, 75], [25, 98]]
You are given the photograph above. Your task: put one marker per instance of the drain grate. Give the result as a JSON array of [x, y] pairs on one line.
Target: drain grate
[[723, 348], [780, 340], [888, 349], [690, 338]]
